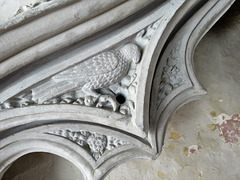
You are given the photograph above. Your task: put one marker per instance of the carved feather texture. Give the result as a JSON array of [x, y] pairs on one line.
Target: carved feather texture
[[102, 70], [98, 65]]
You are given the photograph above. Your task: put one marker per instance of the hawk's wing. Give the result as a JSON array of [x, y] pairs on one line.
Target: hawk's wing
[[100, 64]]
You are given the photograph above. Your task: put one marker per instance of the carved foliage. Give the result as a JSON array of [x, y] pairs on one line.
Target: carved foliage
[[144, 36], [87, 83], [22, 100], [171, 76], [95, 82], [30, 6], [95, 143]]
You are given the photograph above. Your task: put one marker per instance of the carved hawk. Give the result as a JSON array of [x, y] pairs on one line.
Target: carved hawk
[[102, 70]]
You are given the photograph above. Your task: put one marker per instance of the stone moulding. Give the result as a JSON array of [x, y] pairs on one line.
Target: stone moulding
[[102, 97], [95, 143]]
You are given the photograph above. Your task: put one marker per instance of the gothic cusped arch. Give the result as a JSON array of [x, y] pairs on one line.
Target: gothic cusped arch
[[104, 96], [93, 152]]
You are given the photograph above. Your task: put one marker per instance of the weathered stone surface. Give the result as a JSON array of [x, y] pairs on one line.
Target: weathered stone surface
[[100, 91]]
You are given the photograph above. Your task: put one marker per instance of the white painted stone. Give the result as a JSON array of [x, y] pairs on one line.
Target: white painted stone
[[95, 139]]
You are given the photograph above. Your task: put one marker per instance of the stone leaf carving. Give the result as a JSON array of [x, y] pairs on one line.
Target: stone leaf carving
[[171, 76], [22, 100], [144, 36], [95, 143], [96, 82], [87, 83], [25, 8], [31, 6], [31, 10], [91, 77]]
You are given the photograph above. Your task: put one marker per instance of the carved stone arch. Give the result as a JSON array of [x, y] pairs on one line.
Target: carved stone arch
[[59, 91], [185, 86], [27, 146], [93, 152]]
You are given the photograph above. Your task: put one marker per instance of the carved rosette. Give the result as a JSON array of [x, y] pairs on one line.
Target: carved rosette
[[95, 143]]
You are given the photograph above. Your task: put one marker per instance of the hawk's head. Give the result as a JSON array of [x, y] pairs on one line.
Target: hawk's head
[[131, 52]]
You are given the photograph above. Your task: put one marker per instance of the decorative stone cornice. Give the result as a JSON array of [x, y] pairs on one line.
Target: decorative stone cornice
[[98, 88]]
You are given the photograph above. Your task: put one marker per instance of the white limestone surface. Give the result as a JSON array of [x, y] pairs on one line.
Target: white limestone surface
[[194, 148]]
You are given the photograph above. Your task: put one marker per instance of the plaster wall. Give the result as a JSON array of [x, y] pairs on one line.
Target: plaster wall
[[195, 145]]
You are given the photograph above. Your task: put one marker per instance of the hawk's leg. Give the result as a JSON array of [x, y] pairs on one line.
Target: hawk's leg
[[103, 99], [90, 92], [91, 95]]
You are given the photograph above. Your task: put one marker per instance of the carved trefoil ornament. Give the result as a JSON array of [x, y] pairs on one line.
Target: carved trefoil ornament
[[95, 143]]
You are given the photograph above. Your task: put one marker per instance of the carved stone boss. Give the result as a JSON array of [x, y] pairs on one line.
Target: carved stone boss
[[99, 97]]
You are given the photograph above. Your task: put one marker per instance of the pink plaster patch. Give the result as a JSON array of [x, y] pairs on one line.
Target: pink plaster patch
[[229, 127], [192, 149]]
